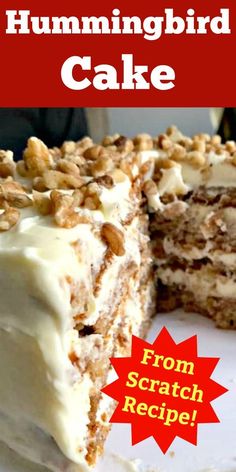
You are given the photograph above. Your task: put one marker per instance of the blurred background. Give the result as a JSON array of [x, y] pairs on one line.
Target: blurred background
[[131, 121], [56, 125]]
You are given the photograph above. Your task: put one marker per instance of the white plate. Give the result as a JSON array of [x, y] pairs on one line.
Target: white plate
[[216, 449]]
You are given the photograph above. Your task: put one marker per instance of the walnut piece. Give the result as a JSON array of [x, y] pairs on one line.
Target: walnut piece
[[53, 179], [93, 153], [143, 142], [68, 167], [9, 218], [124, 144], [7, 165], [105, 181], [109, 140], [91, 196], [101, 166], [177, 153], [64, 212], [37, 157], [17, 200], [196, 159], [164, 142], [114, 238], [42, 203], [199, 145], [13, 193]]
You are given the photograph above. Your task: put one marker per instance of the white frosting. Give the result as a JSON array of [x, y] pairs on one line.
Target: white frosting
[[184, 177], [202, 283], [172, 182], [41, 391]]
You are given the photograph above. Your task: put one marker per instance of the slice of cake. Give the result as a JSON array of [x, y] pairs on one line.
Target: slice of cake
[[75, 283], [192, 198]]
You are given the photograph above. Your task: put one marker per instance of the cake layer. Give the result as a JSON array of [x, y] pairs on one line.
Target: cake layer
[[221, 311], [203, 281], [190, 185], [198, 231]]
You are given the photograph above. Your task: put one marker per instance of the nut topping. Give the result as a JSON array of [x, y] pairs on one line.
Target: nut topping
[[114, 238]]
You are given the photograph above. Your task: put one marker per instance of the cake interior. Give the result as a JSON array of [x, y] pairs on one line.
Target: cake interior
[[192, 205]]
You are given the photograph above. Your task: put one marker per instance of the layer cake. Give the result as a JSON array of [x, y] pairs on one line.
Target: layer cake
[[79, 276]]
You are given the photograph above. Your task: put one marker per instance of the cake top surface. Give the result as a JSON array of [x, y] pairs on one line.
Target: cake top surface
[[68, 184], [79, 180]]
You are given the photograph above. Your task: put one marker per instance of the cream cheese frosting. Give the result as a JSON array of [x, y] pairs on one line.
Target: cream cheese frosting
[[184, 177], [203, 282], [41, 390]]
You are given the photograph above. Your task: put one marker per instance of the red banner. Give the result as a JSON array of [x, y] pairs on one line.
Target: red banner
[[171, 54], [164, 390]]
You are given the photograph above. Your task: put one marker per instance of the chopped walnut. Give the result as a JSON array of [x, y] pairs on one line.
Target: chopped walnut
[[165, 164], [78, 196], [164, 142], [196, 159], [9, 185], [64, 212], [230, 146], [39, 184], [102, 166], [68, 167], [114, 238], [109, 140], [84, 144], [118, 176], [42, 203], [124, 144], [9, 218], [7, 165], [106, 181], [92, 203], [53, 179], [91, 197], [143, 142], [177, 153], [37, 157], [17, 200], [187, 143], [202, 137], [199, 145], [171, 130], [55, 154], [216, 139], [21, 169], [14, 194], [68, 147], [94, 152], [6, 155]]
